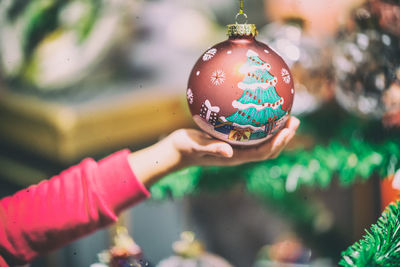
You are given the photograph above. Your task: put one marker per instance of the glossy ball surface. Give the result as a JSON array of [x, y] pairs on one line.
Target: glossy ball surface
[[240, 91]]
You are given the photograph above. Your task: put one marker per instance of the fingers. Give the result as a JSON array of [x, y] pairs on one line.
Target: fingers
[[215, 148], [205, 144], [293, 123], [291, 126], [279, 143], [209, 151], [282, 146], [272, 148]]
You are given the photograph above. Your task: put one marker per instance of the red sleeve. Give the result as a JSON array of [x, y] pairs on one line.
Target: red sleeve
[[75, 203]]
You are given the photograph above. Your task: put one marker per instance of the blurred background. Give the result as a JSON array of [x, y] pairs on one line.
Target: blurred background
[[85, 78]]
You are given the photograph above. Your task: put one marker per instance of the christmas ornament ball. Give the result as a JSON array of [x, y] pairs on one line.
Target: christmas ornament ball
[[240, 90], [367, 67]]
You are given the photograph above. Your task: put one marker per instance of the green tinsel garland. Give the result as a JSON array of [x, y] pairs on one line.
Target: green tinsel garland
[[381, 244], [290, 171]]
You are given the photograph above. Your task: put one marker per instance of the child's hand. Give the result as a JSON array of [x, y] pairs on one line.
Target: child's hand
[[187, 147], [198, 148]]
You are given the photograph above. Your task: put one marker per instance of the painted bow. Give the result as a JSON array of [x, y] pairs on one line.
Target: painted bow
[[240, 134]]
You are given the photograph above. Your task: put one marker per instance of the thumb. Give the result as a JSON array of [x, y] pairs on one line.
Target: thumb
[[216, 148]]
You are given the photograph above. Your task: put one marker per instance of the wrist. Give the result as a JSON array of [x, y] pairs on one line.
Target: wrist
[[153, 163]]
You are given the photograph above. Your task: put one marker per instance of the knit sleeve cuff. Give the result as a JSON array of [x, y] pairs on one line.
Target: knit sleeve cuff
[[119, 185]]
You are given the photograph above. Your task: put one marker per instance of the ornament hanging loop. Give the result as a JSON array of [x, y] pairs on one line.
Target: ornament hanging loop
[[241, 18], [241, 15]]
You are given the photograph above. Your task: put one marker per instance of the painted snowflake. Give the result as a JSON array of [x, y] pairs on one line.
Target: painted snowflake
[[209, 54], [285, 75], [189, 95], [218, 77]]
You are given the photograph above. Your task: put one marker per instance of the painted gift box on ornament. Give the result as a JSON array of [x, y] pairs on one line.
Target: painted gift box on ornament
[[268, 128], [240, 134], [209, 113]]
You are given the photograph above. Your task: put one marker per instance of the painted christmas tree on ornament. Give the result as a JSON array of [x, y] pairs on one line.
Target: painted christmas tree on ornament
[[240, 90], [259, 108]]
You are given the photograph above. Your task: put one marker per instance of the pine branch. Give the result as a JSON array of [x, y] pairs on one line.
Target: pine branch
[[381, 244]]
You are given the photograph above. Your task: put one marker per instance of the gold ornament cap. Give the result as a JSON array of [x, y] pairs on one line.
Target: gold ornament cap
[[238, 30], [188, 246]]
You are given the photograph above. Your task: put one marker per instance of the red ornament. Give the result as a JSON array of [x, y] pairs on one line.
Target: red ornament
[[240, 86]]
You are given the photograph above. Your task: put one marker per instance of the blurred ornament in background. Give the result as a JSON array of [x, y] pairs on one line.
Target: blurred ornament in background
[[189, 252], [367, 67], [309, 59], [287, 251], [124, 253], [52, 45]]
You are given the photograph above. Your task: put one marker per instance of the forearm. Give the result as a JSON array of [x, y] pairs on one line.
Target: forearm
[[78, 201]]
